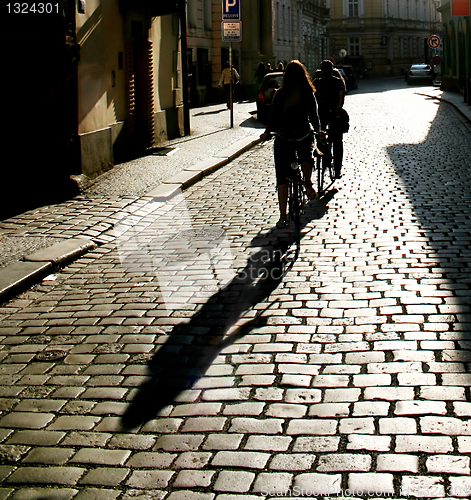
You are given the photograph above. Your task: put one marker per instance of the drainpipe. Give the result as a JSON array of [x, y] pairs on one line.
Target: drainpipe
[[185, 92]]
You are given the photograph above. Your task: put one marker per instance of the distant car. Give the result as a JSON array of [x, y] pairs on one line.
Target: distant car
[[420, 73], [351, 78], [270, 83]]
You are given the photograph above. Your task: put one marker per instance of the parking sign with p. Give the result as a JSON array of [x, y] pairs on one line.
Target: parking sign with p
[[231, 10]]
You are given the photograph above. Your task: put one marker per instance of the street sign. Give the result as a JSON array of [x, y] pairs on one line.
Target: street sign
[[231, 32], [434, 41], [436, 60], [231, 10]]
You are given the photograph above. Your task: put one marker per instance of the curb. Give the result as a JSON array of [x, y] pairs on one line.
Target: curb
[[461, 107], [191, 175], [19, 276]]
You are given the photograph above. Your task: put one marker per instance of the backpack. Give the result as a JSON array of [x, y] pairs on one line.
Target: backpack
[[339, 120]]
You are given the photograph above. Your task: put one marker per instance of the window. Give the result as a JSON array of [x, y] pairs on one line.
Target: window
[[353, 8], [354, 46], [192, 14], [208, 14]]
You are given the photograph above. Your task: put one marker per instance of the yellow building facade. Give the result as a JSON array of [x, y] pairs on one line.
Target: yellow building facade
[[129, 80], [381, 37]]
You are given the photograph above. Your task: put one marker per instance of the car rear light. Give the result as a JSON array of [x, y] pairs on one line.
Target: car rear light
[[260, 97]]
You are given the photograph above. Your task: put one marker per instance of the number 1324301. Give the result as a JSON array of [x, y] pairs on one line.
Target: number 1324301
[[33, 8]]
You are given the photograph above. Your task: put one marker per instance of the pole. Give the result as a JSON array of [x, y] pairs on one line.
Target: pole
[[231, 103], [184, 48]]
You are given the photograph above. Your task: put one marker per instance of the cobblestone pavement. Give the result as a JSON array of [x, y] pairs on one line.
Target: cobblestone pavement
[[172, 362]]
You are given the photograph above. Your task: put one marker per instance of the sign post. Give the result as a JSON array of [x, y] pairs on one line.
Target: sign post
[[231, 32]]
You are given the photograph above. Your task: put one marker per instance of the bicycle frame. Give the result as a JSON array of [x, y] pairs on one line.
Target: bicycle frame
[[324, 166], [296, 201]]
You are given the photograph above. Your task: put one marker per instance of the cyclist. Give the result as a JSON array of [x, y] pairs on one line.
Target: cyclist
[[330, 95], [293, 117]]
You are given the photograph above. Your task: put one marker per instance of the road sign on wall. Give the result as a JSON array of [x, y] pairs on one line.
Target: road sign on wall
[[231, 10]]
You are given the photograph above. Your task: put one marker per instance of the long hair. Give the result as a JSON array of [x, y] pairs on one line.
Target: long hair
[[296, 75]]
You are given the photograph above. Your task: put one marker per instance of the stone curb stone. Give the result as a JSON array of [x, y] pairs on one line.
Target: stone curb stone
[[17, 276], [60, 253], [164, 192], [186, 178], [238, 147]]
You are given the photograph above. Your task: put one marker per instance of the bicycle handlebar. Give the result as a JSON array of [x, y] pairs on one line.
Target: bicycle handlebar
[[311, 133]]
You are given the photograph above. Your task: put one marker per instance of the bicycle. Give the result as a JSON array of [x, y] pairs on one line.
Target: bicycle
[[297, 197], [324, 166]]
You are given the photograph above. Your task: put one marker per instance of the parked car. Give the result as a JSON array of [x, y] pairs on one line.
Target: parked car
[[268, 87], [420, 73], [351, 78]]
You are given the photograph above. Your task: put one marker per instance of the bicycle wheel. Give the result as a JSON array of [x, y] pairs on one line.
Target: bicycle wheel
[[329, 165], [322, 168]]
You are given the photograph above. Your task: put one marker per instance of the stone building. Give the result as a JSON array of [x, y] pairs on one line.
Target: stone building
[[382, 37]]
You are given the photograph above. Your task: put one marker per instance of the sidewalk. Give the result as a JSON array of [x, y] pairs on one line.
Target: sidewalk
[[35, 244], [453, 98]]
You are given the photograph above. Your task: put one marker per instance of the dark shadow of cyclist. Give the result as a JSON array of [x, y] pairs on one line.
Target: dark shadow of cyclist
[[191, 347]]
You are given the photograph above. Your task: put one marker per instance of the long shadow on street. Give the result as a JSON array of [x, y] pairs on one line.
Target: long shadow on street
[[191, 347], [436, 179]]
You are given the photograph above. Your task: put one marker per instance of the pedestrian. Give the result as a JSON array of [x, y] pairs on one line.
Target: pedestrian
[[260, 72], [330, 95], [280, 67], [294, 116], [269, 69], [226, 81]]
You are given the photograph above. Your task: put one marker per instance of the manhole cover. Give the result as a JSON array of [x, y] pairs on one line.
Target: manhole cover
[[52, 355]]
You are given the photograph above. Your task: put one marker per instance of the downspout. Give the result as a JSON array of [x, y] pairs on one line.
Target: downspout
[[184, 48]]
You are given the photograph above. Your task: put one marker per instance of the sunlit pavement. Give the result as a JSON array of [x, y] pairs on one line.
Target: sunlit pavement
[[172, 361]]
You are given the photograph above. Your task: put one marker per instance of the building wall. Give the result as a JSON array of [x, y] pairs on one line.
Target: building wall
[[456, 66], [129, 83], [101, 85], [382, 36]]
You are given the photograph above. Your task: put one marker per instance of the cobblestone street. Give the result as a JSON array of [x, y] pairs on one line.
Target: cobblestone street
[[187, 370]]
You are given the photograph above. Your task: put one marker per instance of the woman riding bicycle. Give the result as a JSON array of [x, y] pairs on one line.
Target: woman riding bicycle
[[293, 117]]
